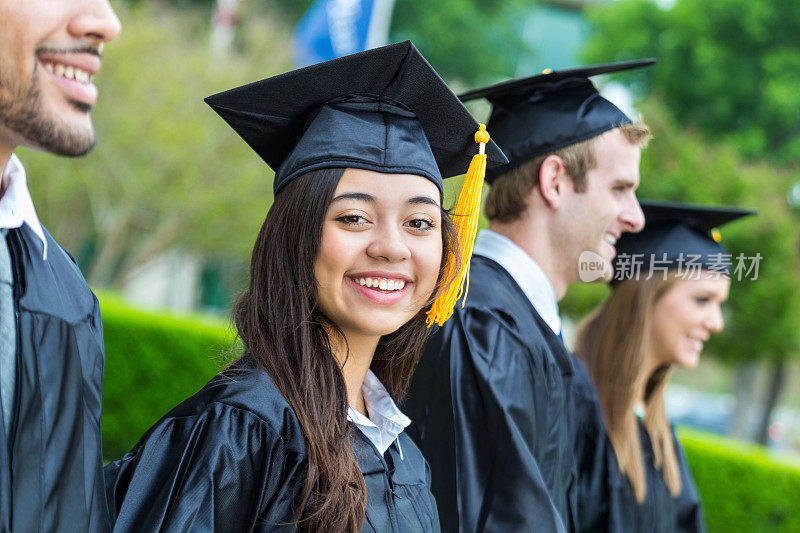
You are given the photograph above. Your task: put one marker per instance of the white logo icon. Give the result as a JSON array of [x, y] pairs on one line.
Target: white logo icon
[[592, 266]]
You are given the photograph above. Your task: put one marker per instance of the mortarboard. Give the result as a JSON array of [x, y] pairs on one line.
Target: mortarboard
[[676, 236], [385, 110], [543, 113]]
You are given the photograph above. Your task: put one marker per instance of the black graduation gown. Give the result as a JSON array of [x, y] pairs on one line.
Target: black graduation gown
[[398, 489], [593, 453], [232, 458], [591, 493], [51, 476], [660, 512], [490, 405], [607, 504]]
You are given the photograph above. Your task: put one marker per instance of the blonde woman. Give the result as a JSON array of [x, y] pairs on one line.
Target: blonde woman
[[670, 282]]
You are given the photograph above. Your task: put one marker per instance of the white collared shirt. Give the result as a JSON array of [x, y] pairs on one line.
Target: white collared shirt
[[526, 272], [16, 205], [385, 422]]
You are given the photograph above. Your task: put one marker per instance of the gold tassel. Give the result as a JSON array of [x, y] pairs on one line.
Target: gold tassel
[[465, 219]]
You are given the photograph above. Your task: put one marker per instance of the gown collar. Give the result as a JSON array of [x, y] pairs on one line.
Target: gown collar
[[526, 272], [385, 422]]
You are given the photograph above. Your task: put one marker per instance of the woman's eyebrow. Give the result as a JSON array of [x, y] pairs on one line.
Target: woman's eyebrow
[[364, 197], [422, 200]]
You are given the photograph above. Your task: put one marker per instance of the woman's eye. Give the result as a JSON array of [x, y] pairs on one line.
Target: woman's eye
[[420, 224], [352, 220], [702, 300]]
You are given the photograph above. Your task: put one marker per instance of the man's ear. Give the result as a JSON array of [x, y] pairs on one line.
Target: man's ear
[[553, 180]]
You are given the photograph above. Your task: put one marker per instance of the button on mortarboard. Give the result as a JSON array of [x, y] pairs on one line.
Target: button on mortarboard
[[675, 232], [385, 109], [543, 113]]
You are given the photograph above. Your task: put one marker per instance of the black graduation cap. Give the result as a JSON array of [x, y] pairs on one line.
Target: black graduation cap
[[543, 113], [676, 236], [385, 109]]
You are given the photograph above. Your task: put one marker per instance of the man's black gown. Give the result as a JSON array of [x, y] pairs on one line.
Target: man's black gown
[[51, 468], [592, 491], [605, 498], [232, 458], [490, 403]]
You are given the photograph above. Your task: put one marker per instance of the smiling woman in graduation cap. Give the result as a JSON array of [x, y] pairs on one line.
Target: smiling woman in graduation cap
[[669, 284], [356, 256]]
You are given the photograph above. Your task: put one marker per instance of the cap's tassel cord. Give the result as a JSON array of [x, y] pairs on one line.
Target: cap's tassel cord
[[465, 219]]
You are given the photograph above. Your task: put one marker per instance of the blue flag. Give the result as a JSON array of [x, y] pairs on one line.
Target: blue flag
[[335, 28]]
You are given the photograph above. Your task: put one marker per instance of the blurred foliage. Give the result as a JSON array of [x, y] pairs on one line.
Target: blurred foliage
[[729, 67], [153, 362], [473, 41], [742, 488], [167, 171], [582, 298]]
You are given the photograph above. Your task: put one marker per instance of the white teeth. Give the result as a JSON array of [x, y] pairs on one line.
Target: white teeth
[[382, 284], [68, 72], [696, 344], [611, 240]]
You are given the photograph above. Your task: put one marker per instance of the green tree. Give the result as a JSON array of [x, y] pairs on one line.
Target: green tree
[[473, 41], [729, 67]]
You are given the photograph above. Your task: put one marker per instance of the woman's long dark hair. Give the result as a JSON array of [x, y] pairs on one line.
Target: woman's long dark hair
[[284, 332]]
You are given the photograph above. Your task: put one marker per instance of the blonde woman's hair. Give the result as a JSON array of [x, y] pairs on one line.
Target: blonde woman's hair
[[614, 342]]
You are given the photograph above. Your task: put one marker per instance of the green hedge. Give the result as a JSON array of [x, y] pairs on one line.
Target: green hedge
[[153, 361], [742, 487]]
